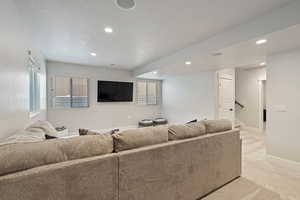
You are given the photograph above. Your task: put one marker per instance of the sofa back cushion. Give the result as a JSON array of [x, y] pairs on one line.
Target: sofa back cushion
[[214, 126], [22, 156], [140, 137], [86, 146], [178, 132], [22, 136]]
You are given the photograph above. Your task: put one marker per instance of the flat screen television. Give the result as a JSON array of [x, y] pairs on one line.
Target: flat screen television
[[111, 91]]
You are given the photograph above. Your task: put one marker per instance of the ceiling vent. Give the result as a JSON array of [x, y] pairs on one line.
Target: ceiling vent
[[125, 4], [217, 54]]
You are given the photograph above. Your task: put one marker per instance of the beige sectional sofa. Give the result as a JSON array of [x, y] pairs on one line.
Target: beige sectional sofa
[[139, 164]]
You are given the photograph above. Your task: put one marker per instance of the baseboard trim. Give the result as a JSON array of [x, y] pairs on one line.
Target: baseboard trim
[[284, 162]]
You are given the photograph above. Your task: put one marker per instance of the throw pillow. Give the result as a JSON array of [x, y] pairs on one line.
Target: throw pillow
[[46, 127]]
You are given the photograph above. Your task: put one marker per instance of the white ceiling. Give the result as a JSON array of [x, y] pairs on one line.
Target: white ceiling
[[68, 30], [246, 54]]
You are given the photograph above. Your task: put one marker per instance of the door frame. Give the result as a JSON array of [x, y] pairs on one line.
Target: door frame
[[261, 104], [228, 74]]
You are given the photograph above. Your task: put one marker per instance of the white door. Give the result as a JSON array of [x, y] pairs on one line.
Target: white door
[[226, 98]]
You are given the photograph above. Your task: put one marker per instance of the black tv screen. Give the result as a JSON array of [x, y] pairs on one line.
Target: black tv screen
[[109, 91]]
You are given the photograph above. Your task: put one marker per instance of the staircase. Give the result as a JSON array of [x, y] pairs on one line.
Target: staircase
[[238, 124]]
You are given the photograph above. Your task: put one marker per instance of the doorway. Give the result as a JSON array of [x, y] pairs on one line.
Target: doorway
[[226, 95], [251, 98], [262, 105]]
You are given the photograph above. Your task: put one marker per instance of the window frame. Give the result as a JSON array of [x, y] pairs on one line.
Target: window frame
[[34, 87], [53, 92], [158, 92]]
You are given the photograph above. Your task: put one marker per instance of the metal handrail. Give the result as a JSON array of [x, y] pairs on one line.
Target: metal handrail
[[239, 104]]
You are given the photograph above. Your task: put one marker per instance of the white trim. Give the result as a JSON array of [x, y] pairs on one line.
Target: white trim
[[261, 97], [34, 114], [284, 162], [260, 105], [227, 74]]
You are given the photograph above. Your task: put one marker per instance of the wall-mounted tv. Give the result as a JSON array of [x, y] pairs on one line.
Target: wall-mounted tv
[[111, 91]]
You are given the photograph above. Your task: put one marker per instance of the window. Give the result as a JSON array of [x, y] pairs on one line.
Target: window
[[148, 92], [69, 92], [34, 86], [79, 88]]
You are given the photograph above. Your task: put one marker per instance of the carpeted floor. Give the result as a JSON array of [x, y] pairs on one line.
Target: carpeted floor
[[243, 189], [262, 178]]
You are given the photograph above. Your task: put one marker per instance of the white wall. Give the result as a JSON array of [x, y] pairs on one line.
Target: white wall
[[189, 97], [283, 97], [247, 93], [14, 77], [98, 115]]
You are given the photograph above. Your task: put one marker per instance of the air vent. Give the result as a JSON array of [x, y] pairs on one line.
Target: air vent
[[125, 4], [217, 54]]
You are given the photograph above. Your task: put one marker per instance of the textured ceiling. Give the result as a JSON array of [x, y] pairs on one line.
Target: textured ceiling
[[68, 30], [246, 54]]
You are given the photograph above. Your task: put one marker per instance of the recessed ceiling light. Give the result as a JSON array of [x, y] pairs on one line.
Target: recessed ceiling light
[[108, 30], [262, 41], [93, 54], [262, 64], [188, 62], [155, 72]]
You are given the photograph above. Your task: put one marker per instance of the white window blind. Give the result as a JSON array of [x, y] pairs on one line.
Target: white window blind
[[62, 92], [79, 88], [141, 92], [69, 92], [148, 92], [34, 86]]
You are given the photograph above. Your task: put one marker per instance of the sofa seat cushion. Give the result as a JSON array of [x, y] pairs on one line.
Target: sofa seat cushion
[[214, 126], [179, 132], [22, 156], [140, 137]]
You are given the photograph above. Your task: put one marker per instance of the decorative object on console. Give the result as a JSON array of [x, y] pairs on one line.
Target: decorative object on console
[[62, 132], [60, 128], [160, 121], [83, 131], [146, 123], [193, 121]]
